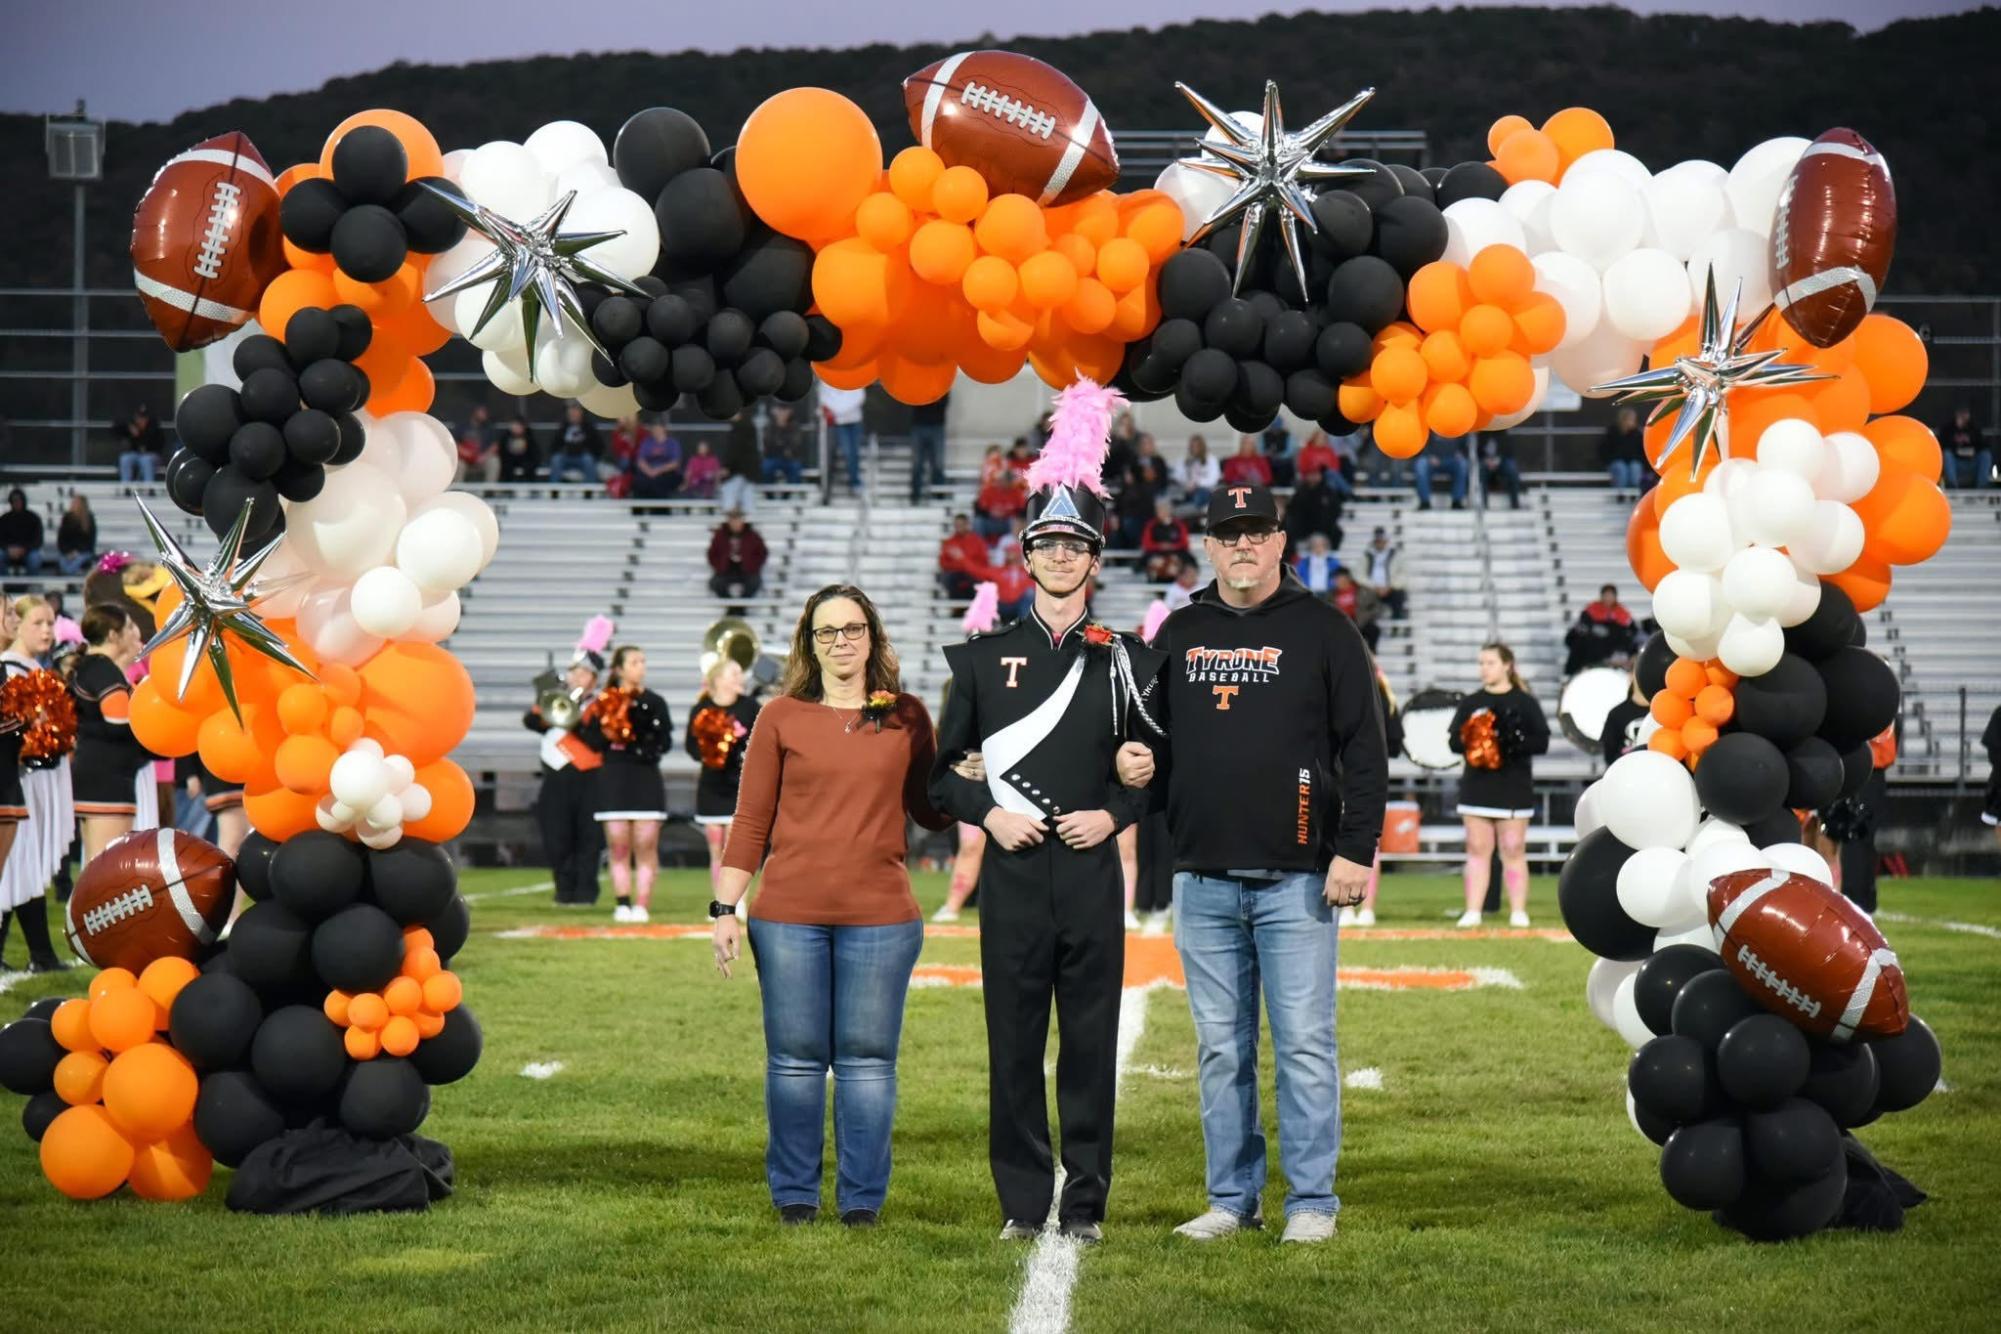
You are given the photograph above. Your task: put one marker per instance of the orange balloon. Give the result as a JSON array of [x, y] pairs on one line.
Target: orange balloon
[[384, 299], [912, 174], [1445, 358], [1486, 329], [163, 979], [805, 160], [420, 962], [306, 259], [1357, 401], [291, 292], [1668, 743], [1913, 529], [385, 362], [1681, 343], [341, 682], [344, 726], [70, 1025], [303, 708], [940, 252], [403, 995], [363, 1044], [418, 938], [79, 1078], [1122, 264], [400, 1035], [1503, 383], [419, 146], [884, 221], [1083, 256], [1715, 705], [122, 1019], [1439, 295], [419, 701], [1400, 431], [1539, 323], [1047, 280], [451, 791], [1012, 227], [1003, 330], [1396, 333], [1643, 544], [1840, 404], [1906, 444], [1091, 307], [1157, 228], [1528, 155], [226, 747], [161, 726], [83, 1155], [1686, 678], [1867, 582], [150, 1092], [1501, 275], [1669, 709], [1398, 374], [1719, 675], [854, 283], [428, 1025], [959, 194], [292, 175], [110, 980], [304, 763], [1449, 409], [848, 377], [443, 992], [415, 329], [335, 1007], [414, 391], [1576, 131], [1698, 735], [279, 813], [1892, 359], [179, 1167], [368, 1010], [1096, 357], [1138, 313], [1096, 219], [1500, 130]]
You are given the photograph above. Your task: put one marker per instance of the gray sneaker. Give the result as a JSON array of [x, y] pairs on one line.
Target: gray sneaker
[[1083, 1230], [1019, 1231], [1309, 1228], [1217, 1223]]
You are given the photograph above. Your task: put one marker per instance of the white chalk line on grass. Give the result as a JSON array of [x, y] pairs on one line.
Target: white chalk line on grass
[[1368, 1077], [1963, 928], [512, 891], [541, 1069]]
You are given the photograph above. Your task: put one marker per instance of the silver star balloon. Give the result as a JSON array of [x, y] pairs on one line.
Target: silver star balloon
[[537, 263], [1268, 167], [1699, 386], [218, 603]]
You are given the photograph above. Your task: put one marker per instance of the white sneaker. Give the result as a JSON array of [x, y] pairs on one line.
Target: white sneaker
[[639, 915], [622, 913], [1215, 1224], [1518, 919], [1349, 916], [1305, 1227], [1471, 917], [945, 915], [1132, 920], [1366, 917]]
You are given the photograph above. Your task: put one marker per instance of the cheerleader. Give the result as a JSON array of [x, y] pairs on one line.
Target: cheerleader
[[13, 801], [43, 721], [630, 726], [718, 730], [1497, 728], [108, 760]]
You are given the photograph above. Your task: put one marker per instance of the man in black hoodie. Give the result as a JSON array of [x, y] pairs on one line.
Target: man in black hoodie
[[1274, 776]]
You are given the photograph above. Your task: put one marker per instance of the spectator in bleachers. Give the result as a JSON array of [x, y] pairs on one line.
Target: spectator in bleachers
[[1446, 454], [1198, 475], [1248, 466], [1315, 565], [1385, 573], [1347, 460], [1002, 494], [1497, 467], [1318, 452], [624, 443], [21, 536], [656, 464], [1604, 632], [1182, 591], [785, 445], [1164, 542], [962, 560], [76, 536], [1967, 460], [1499, 728], [1315, 507], [142, 442], [737, 554], [1121, 448], [1006, 542], [1280, 450], [843, 409], [1359, 603], [743, 464], [704, 470], [927, 447], [1014, 586], [520, 452], [1623, 451], [1145, 482], [479, 452], [575, 458]]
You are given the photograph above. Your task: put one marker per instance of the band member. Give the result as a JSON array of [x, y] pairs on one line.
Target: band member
[[564, 806], [1046, 702], [718, 731], [630, 726], [108, 759]]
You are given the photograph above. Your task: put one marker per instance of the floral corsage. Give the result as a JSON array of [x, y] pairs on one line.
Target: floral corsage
[[880, 704]]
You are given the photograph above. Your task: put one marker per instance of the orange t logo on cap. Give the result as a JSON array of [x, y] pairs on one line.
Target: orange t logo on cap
[[1240, 492]]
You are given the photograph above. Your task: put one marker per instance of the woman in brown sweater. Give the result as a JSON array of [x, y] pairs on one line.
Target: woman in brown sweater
[[834, 770]]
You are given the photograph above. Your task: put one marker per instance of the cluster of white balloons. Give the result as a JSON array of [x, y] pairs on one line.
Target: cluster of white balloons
[[1750, 547], [519, 182], [373, 794], [1648, 802], [386, 545]]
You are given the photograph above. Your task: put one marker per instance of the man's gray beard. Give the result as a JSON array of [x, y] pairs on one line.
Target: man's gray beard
[[1243, 583]]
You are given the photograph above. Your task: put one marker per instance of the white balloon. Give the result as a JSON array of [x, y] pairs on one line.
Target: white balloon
[[1510, 420], [1648, 800], [1751, 647], [359, 780], [1602, 981], [1698, 169], [1832, 540], [503, 333], [1780, 507], [1696, 932], [1597, 217], [1195, 192], [481, 514], [564, 365], [1575, 285], [506, 178], [402, 773], [1719, 860], [584, 178], [1611, 161], [1794, 446], [427, 456], [1646, 294], [455, 163], [1803, 600], [1626, 1019], [386, 813], [1728, 475], [379, 840], [1690, 603], [440, 551], [1714, 832], [1740, 259], [324, 816], [350, 526], [1587, 820], [502, 375], [1646, 886], [612, 402], [436, 622], [1757, 581], [446, 268], [284, 563], [1600, 357], [1849, 468], [618, 210], [416, 802], [1471, 225], [1695, 533], [1702, 647], [368, 745], [1528, 201], [562, 144], [386, 602], [1686, 208], [1800, 860], [1757, 179]]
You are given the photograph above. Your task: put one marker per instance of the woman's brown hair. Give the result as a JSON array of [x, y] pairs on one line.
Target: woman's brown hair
[[1507, 657], [613, 678], [802, 670], [103, 621]]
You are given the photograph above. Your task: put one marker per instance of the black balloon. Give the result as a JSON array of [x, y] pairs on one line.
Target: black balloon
[[1365, 291], [187, 480], [270, 947], [312, 436], [785, 332], [428, 221], [1410, 233], [1710, 1005], [297, 1054], [1742, 779], [1345, 225], [253, 866], [655, 146], [1661, 979], [1832, 625], [728, 336], [1795, 1141], [1653, 1127], [699, 292], [1673, 1078], [450, 928], [257, 450], [1780, 1211], [761, 373], [260, 352], [651, 284], [368, 243], [772, 274], [1702, 1165], [233, 1115], [798, 382], [213, 1020], [1191, 283], [413, 882], [823, 338], [226, 494], [1375, 188], [452, 1054], [1843, 1080], [1856, 765], [1234, 328], [1414, 182], [618, 320], [1587, 893], [1908, 1066], [1652, 664], [40, 1111], [1342, 350], [1209, 377], [1813, 774], [1309, 394], [369, 165], [310, 335], [45, 1008], [206, 419], [691, 368], [700, 221], [1289, 339], [721, 398], [358, 948], [28, 1055], [671, 320], [308, 213], [270, 395], [1175, 341], [384, 1098], [1470, 180], [1781, 826], [1785, 705], [656, 398], [1862, 696], [1258, 394], [316, 874], [1762, 1060], [644, 358], [356, 330]]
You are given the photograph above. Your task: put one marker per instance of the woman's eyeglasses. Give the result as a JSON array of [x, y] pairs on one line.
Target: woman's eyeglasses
[[826, 633]]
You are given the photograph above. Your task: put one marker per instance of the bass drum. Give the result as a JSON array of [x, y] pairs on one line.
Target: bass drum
[[1587, 700], [1427, 729]]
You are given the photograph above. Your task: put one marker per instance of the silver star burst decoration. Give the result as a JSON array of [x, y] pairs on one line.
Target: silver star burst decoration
[[1268, 167], [1698, 386], [537, 263], [219, 602]]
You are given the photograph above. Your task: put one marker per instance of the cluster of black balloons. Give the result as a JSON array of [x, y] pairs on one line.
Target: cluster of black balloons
[[370, 216], [326, 915], [1242, 350], [1752, 1114], [29, 1054], [725, 318], [278, 434]]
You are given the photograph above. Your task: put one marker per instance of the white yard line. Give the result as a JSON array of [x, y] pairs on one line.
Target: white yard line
[[1368, 1077], [514, 891], [541, 1069], [1964, 928]]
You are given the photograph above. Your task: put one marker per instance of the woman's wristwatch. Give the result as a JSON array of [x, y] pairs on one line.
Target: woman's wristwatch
[[717, 908]]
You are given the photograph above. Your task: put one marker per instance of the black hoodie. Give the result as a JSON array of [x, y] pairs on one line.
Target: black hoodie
[[1275, 758]]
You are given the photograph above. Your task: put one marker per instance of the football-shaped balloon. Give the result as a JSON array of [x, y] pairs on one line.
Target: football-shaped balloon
[[1832, 237], [1017, 121], [205, 241], [150, 895], [1808, 954]]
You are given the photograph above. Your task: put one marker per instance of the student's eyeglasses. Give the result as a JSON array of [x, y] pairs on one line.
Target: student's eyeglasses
[[1068, 546], [826, 633]]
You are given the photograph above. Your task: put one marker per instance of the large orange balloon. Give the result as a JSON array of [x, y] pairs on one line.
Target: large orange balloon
[[415, 329], [83, 1155], [1867, 582], [1643, 544], [914, 382], [1439, 296], [279, 814], [122, 1019], [1906, 519], [419, 145], [805, 160], [1906, 444], [162, 727], [150, 1092], [1528, 155], [1840, 404], [163, 979], [177, 1168], [417, 700], [1750, 411], [413, 392], [1576, 131], [293, 291], [451, 803], [856, 284], [226, 747], [1892, 359], [1400, 432]]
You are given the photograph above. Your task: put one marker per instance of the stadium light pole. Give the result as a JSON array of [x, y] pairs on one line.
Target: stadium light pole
[[76, 153]]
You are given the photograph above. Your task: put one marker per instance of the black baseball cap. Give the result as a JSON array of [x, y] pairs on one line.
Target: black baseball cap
[[1241, 503]]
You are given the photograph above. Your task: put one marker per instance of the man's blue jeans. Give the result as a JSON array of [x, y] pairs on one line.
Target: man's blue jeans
[[1454, 463], [1239, 938]]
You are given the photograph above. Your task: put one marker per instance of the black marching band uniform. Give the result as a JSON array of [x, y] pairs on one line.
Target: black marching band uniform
[[564, 806], [1048, 707]]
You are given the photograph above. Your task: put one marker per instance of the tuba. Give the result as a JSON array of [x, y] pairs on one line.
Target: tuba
[[734, 638], [558, 705]]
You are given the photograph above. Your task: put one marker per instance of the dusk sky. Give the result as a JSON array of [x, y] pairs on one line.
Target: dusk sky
[[150, 60]]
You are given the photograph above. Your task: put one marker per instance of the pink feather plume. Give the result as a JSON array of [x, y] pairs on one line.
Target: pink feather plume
[[1156, 615], [597, 635], [1079, 431], [68, 631], [984, 614]]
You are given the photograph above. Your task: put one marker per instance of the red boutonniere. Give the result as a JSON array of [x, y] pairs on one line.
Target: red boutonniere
[[879, 706], [1097, 635]]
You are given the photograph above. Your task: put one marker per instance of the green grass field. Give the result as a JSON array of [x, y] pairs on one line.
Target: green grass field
[[1492, 1182]]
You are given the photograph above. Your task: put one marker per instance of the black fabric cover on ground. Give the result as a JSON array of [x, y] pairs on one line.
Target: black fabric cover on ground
[[1877, 1197], [323, 1169]]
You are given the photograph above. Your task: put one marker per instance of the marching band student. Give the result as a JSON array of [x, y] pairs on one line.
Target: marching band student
[[565, 804], [1498, 728], [718, 730], [108, 758], [630, 726]]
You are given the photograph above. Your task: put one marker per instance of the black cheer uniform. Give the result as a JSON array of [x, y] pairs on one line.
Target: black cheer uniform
[[565, 809], [1506, 793], [715, 788], [628, 786], [13, 801], [1041, 708], [105, 773]]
